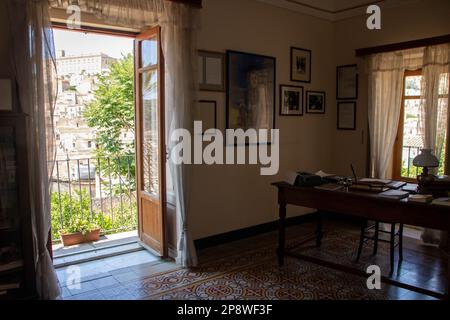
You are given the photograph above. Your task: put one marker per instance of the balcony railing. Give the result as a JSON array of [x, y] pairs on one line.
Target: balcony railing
[[408, 170], [98, 191]]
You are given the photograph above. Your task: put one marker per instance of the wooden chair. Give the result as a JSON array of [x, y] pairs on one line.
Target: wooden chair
[[393, 235]]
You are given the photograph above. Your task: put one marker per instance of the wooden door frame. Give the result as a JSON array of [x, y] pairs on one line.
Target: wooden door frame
[[154, 32]]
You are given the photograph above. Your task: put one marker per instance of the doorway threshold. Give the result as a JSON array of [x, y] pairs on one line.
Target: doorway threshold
[[107, 246]]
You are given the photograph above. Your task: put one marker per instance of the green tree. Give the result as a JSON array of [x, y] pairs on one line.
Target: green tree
[[112, 113]]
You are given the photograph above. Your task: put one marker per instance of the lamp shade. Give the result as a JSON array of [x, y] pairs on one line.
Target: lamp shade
[[426, 159]]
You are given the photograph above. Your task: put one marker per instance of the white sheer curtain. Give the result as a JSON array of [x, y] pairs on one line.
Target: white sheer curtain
[[386, 71], [179, 24], [433, 117], [32, 58]]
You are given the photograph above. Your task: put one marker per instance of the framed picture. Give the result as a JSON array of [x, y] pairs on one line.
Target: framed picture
[[250, 99], [347, 82], [291, 100], [206, 112], [346, 116], [211, 71], [315, 102], [300, 65]]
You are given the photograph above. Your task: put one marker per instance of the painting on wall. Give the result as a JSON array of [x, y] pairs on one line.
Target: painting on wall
[[315, 102], [250, 91], [300, 65], [291, 100]]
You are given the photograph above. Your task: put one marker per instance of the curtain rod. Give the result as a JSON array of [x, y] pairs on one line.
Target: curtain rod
[[404, 45]]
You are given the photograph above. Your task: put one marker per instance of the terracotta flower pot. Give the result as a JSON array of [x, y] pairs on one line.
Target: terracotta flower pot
[[71, 239]]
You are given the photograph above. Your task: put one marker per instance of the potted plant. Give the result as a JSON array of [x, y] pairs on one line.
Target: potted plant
[[79, 231]]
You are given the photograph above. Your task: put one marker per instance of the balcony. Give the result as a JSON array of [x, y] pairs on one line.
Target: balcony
[[94, 192]]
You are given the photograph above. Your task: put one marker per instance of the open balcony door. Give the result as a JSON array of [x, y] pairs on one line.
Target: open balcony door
[[150, 141]]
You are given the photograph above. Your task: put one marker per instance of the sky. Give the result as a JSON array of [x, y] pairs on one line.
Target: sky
[[75, 43]]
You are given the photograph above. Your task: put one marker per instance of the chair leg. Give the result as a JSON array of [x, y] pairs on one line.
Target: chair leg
[[361, 239], [392, 242], [375, 242], [400, 243]]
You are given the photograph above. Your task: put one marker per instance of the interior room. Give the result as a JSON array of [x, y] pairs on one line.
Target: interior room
[[224, 150]]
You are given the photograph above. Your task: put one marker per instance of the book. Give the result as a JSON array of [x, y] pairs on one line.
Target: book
[[441, 202], [394, 194], [11, 266], [375, 181], [330, 187], [421, 198], [396, 184], [9, 286]]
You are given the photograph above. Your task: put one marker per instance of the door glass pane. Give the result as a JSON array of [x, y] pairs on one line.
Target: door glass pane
[[412, 139], [150, 131], [149, 53], [413, 86]]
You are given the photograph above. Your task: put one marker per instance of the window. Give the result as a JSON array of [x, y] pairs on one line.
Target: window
[[410, 140]]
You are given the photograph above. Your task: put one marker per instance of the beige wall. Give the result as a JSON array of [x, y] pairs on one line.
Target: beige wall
[[226, 198], [416, 20]]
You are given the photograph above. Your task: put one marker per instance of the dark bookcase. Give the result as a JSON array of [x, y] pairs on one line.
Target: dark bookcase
[[17, 272]]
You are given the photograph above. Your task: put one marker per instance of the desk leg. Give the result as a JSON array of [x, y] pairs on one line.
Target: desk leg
[[319, 232], [447, 293], [281, 234]]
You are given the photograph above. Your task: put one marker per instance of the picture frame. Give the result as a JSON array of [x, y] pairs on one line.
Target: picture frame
[[347, 82], [346, 115], [291, 100], [211, 71], [315, 102], [206, 111], [250, 94], [301, 65]]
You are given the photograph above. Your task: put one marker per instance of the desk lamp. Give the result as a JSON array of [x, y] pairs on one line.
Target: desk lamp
[[426, 160]]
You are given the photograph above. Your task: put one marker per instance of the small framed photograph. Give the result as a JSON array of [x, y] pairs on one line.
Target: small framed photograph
[[300, 65], [346, 119], [315, 102], [206, 112], [211, 71], [291, 100], [347, 82]]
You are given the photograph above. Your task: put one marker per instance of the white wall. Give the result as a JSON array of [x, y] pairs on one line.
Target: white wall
[[226, 198]]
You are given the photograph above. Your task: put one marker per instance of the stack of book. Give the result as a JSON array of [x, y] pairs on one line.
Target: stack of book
[[420, 198], [441, 202], [394, 194]]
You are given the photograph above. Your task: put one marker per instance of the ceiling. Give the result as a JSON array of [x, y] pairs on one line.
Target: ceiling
[[332, 10]]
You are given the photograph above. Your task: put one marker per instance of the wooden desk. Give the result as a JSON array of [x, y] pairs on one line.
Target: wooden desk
[[363, 205]]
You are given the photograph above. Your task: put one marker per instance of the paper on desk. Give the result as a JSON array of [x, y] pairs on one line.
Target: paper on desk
[[324, 174], [291, 177]]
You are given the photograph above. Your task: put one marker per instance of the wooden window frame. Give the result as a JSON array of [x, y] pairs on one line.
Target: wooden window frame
[[398, 146]]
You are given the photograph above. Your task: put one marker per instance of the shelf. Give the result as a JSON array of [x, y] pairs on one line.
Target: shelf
[[11, 266]]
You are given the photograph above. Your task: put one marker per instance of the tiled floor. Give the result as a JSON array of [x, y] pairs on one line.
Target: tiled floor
[[247, 269], [105, 272]]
